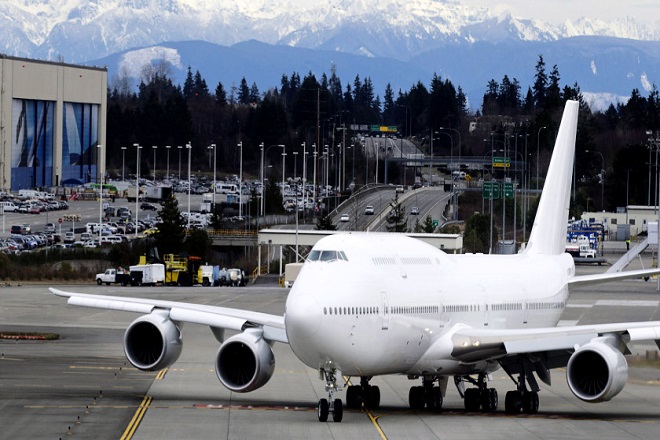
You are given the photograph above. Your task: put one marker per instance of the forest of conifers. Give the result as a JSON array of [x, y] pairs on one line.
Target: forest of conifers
[[310, 109]]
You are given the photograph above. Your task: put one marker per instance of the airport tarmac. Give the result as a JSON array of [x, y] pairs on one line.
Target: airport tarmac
[[81, 386]]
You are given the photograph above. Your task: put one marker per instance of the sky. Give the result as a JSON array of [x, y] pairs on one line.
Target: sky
[[558, 11]]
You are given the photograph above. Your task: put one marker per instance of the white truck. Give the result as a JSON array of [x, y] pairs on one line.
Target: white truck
[[112, 276], [582, 250], [147, 274]]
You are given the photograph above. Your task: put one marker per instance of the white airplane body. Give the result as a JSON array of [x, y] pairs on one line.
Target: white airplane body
[[369, 304]]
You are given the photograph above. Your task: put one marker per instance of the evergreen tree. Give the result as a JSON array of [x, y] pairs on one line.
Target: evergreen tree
[[477, 234], [198, 244], [324, 223], [254, 94], [397, 220], [171, 230], [201, 89], [243, 92], [540, 84], [188, 85], [220, 96]]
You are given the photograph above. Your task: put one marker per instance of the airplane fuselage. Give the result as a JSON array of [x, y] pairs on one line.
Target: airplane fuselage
[[395, 312]]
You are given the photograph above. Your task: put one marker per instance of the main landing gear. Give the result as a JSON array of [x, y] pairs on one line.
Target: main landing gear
[[427, 395], [330, 405], [522, 399], [479, 398], [357, 395]]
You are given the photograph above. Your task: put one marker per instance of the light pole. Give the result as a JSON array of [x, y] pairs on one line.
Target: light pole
[[283, 166], [264, 153], [295, 165], [137, 184], [154, 147], [100, 165], [123, 150], [189, 147], [240, 181], [167, 173], [602, 179], [459, 141], [212, 147], [180, 147], [538, 141]]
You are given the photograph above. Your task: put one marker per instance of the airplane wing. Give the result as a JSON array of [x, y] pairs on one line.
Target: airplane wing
[[214, 317], [584, 280], [477, 344]]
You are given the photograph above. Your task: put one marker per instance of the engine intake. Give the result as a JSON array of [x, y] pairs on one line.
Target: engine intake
[[245, 362], [597, 371], [152, 342]]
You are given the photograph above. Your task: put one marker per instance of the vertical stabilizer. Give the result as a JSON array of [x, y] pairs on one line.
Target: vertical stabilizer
[[548, 235]]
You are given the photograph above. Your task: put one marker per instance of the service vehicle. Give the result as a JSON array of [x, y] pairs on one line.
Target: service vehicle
[[111, 276]]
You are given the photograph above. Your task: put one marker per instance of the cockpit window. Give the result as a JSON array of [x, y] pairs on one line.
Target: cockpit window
[[317, 255]]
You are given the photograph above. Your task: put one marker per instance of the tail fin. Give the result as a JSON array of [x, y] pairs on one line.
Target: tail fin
[[548, 235]]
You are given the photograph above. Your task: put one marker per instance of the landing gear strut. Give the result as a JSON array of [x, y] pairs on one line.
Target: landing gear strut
[[357, 395], [427, 395], [481, 397], [330, 405]]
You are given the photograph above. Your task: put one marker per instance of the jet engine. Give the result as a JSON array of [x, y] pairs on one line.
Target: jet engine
[[245, 362], [152, 342], [597, 371]]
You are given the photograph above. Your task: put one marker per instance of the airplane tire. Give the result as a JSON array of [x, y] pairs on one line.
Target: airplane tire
[[472, 399], [434, 398], [338, 411], [372, 397], [530, 402], [416, 397], [353, 397], [323, 410], [513, 402]]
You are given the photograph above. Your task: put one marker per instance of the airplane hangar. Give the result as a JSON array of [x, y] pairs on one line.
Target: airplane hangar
[[52, 119]]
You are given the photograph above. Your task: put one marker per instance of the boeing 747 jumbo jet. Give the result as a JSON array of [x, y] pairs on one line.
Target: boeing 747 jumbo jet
[[370, 304]]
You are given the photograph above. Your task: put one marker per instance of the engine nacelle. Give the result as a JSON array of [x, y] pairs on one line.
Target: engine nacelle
[[597, 371], [152, 342], [245, 362]]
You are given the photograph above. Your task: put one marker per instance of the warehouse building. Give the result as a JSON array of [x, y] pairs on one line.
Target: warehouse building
[[52, 123]]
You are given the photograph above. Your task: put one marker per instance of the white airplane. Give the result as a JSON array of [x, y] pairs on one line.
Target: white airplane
[[370, 304]]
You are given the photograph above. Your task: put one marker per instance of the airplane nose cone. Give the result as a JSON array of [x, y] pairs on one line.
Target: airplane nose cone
[[303, 318]]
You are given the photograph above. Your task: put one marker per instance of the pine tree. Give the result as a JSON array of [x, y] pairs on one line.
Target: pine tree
[[397, 220], [220, 95], [171, 231], [324, 223]]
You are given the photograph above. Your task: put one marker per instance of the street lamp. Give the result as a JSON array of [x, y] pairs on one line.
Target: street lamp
[[283, 166], [154, 148], [137, 184], [123, 150], [180, 147], [263, 190], [212, 147], [189, 147], [240, 182], [459, 141], [602, 179], [100, 165], [538, 141], [167, 173]]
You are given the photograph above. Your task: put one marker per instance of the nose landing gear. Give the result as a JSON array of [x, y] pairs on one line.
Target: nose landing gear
[[330, 405]]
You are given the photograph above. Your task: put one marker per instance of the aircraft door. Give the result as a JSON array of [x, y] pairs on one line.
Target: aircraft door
[[386, 311]]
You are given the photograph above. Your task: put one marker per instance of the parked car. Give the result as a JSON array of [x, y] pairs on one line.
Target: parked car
[[69, 238], [148, 207], [16, 230], [50, 228]]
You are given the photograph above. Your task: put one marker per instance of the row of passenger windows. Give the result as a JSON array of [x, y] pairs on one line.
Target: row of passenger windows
[[451, 308]]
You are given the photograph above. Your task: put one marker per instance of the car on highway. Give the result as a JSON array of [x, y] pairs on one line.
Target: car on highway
[[344, 218], [399, 189], [414, 210], [369, 210]]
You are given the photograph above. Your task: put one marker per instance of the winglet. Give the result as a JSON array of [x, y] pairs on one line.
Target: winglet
[[548, 235]]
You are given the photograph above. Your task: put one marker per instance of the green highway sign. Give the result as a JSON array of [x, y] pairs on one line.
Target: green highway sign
[[436, 223], [508, 190], [491, 190], [501, 162]]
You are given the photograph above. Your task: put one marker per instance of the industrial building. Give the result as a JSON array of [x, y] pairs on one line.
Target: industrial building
[[52, 123]]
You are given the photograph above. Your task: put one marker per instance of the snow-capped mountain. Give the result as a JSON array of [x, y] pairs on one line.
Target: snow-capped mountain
[[79, 30]]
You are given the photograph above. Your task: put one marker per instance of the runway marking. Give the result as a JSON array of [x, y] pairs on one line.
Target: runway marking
[[372, 418], [137, 418], [248, 407], [161, 374]]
